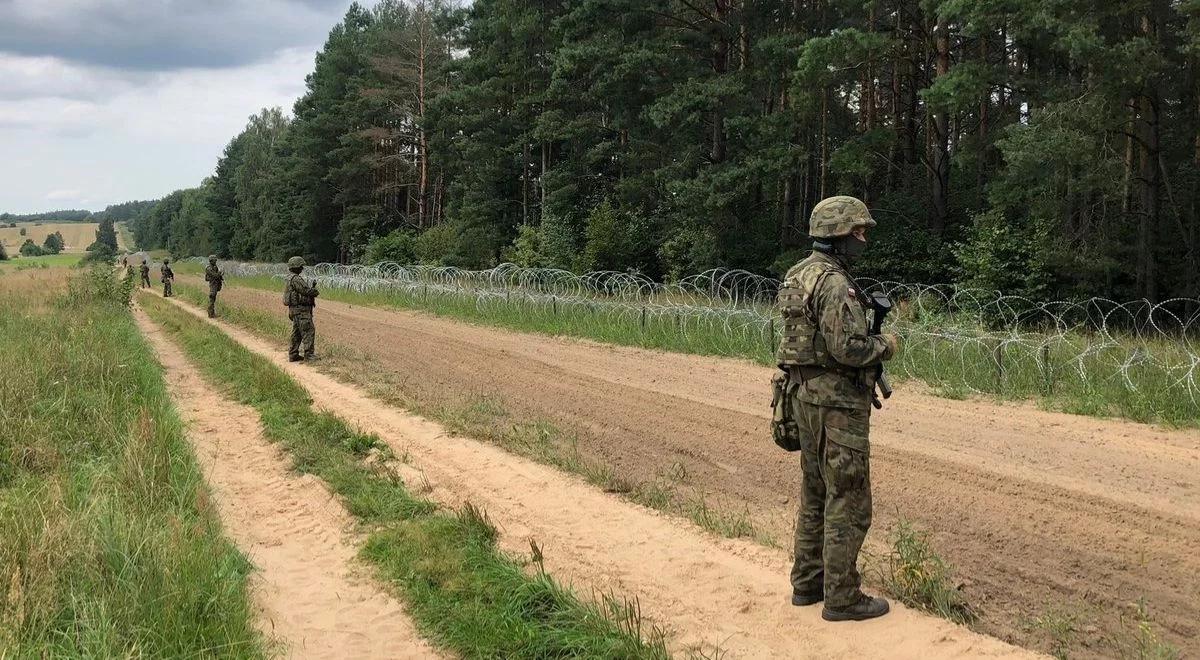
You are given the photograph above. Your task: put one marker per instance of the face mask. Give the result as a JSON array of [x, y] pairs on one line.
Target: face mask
[[851, 248]]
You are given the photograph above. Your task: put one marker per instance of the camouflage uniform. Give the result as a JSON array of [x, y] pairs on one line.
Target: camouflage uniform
[[168, 279], [215, 279], [300, 299], [828, 353], [145, 270]]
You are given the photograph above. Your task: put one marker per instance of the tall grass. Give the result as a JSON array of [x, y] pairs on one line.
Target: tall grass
[[109, 544], [463, 592]]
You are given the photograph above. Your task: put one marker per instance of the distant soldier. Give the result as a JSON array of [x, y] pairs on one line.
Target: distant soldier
[[145, 271], [168, 278], [300, 298], [128, 271], [215, 279], [829, 358]]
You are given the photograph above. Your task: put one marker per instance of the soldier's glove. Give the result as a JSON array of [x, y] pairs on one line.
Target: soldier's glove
[[893, 343]]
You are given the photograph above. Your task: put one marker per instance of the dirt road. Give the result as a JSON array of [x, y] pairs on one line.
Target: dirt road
[[1034, 509], [707, 593], [308, 591]]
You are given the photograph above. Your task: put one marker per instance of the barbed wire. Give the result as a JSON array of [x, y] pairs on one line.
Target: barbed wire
[[956, 336]]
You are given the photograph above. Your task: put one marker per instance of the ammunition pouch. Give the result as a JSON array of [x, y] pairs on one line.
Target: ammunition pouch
[[784, 429]]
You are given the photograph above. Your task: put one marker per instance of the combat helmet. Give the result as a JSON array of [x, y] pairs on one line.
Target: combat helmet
[[212, 258], [838, 216], [296, 262]]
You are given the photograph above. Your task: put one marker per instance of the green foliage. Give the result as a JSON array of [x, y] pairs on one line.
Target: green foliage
[[616, 240], [915, 574], [1000, 257], [690, 250], [30, 249], [22, 231], [53, 244], [399, 246], [437, 245], [3, 253]]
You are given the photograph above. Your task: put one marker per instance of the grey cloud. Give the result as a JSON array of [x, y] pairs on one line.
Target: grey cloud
[[162, 35]]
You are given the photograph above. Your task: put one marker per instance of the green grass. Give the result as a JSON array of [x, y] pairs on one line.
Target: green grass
[[47, 261], [954, 368], [915, 574], [463, 593], [109, 543]]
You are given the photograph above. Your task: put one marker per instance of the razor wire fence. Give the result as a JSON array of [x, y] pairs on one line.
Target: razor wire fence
[[971, 339]]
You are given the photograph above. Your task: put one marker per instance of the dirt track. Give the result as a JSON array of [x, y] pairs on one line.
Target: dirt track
[[307, 588], [1032, 508], [706, 592]]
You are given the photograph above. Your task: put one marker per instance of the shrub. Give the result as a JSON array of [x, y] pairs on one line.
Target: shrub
[[30, 249], [54, 243], [398, 246], [22, 230], [436, 244]]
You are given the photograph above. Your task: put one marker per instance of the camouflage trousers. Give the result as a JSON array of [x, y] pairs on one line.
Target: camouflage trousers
[[168, 291], [304, 333], [212, 303], [835, 501], [145, 281]]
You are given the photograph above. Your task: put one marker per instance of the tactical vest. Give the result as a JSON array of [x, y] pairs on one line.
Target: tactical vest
[[293, 298], [802, 344]]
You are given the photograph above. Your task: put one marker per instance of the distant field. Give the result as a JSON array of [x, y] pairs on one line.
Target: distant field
[[51, 260], [77, 235]]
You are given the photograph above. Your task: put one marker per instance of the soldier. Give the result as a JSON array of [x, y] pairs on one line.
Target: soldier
[[168, 278], [300, 298], [829, 359], [145, 271], [215, 279]]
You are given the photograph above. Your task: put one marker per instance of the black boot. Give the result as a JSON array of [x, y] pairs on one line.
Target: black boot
[[803, 598], [866, 607], [295, 358]]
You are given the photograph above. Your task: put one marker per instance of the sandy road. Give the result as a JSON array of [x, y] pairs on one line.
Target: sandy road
[[1033, 508], [707, 593], [308, 591]]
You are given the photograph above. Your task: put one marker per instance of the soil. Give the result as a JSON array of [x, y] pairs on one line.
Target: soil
[[706, 593], [311, 595], [1035, 510]]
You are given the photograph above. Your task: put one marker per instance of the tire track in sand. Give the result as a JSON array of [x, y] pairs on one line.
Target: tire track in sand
[[308, 590], [706, 592]]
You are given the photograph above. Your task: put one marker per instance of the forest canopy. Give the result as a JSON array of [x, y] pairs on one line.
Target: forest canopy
[[1048, 148]]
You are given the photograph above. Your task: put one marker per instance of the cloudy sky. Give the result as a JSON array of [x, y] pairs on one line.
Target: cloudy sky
[[103, 101]]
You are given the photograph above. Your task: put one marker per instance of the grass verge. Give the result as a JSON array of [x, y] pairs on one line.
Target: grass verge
[[109, 545], [463, 592]]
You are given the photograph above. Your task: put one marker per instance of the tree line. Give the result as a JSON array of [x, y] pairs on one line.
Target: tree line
[[123, 212], [1047, 148]]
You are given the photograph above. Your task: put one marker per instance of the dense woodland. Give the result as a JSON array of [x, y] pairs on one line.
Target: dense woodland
[[1043, 147]]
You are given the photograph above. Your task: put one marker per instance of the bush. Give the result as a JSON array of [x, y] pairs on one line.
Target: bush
[[691, 250], [22, 230], [998, 257], [30, 249], [3, 253], [399, 246], [526, 248], [54, 243], [436, 245], [616, 240], [100, 253]]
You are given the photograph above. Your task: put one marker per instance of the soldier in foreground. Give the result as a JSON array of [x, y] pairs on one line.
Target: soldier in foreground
[[215, 279], [823, 409], [300, 298], [145, 271], [168, 278]]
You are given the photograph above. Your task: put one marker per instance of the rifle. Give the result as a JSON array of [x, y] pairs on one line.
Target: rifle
[[881, 305]]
